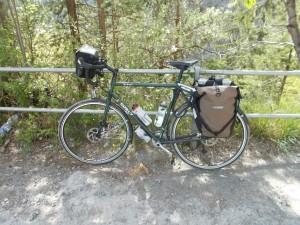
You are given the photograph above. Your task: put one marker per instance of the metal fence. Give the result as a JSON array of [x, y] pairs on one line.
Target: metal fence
[[152, 71]]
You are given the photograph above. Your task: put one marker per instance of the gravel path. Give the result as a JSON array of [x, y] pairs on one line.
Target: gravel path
[[142, 187]]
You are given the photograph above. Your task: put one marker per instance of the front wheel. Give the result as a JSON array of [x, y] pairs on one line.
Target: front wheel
[[208, 153], [85, 138]]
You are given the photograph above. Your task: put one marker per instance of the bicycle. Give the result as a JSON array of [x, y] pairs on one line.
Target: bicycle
[[98, 131]]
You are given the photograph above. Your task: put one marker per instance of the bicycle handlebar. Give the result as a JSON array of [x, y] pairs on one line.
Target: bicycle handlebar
[[102, 65]]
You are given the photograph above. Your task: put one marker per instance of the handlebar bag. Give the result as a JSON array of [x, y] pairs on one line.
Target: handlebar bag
[[216, 105], [90, 55]]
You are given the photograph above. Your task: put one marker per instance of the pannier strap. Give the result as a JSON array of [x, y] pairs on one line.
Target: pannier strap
[[216, 133]]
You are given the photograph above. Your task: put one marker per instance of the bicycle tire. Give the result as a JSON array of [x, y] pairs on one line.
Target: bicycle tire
[[209, 153], [78, 127]]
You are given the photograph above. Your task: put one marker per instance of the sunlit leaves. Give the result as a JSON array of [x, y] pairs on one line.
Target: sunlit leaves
[[249, 3]]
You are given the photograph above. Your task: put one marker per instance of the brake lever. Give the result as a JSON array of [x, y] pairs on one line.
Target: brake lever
[[99, 72]]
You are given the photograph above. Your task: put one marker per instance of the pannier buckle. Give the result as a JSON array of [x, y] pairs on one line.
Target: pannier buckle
[[218, 94]]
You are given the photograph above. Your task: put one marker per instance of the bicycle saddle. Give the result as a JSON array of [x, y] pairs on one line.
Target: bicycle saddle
[[182, 64]]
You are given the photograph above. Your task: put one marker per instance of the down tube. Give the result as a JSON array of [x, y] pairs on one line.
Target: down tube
[[157, 85], [129, 112]]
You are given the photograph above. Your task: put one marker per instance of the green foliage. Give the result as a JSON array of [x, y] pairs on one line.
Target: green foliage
[[245, 34], [249, 3]]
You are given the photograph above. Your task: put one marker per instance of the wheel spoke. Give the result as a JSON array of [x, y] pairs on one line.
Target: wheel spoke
[[80, 136], [209, 153]]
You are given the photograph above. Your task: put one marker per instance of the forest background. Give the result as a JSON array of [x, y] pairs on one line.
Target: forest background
[[222, 34]]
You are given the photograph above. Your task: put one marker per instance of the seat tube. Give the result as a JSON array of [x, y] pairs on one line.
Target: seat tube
[[174, 99], [179, 78]]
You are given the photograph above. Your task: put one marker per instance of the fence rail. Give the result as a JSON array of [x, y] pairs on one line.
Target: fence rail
[[152, 71], [58, 110], [159, 71]]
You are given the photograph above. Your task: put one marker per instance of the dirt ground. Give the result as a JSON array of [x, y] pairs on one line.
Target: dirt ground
[[47, 187]]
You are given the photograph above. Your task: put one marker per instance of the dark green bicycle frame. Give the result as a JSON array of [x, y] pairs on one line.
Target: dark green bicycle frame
[[176, 92]]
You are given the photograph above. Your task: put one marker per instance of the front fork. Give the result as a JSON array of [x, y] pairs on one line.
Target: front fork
[[102, 122]]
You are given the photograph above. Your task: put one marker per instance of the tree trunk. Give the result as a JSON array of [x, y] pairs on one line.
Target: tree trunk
[[29, 34], [73, 21], [114, 21], [293, 25], [287, 67], [115, 30], [2, 15], [102, 27], [14, 15], [177, 26]]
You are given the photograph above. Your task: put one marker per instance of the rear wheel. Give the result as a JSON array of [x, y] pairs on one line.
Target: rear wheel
[[208, 153], [84, 139]]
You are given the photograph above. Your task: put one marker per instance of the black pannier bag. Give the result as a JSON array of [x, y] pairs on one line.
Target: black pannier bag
[[90, 55], [217, 102]]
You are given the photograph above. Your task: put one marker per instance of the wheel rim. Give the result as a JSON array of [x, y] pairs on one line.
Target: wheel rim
[[210, 153], [80, 137]]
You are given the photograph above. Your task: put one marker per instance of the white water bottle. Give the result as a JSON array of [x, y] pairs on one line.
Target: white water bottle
[[136, 109], [142, 134], [8, 125], [160, 115]]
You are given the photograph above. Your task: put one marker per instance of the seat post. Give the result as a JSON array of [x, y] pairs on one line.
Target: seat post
[[179, 78]]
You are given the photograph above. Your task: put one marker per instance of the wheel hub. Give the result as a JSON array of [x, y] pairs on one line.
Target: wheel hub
[[93, 135], [209, 141]]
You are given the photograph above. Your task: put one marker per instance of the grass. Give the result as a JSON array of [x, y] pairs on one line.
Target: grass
[[284, 132], [257, 99]]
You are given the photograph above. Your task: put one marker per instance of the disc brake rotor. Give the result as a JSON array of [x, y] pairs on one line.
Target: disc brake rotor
[[93, 135]]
